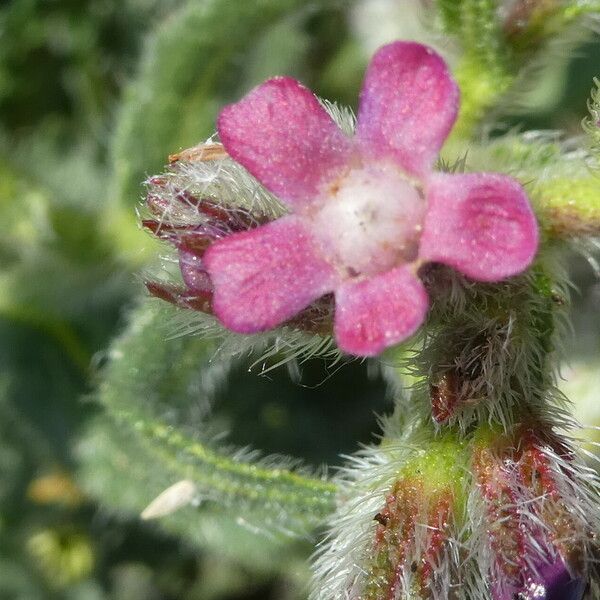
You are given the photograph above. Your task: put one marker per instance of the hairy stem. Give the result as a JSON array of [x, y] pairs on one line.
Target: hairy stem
[[155, 389]]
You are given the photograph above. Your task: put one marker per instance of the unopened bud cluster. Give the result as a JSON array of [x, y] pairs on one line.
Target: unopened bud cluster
[[492, 516], [204, 197]]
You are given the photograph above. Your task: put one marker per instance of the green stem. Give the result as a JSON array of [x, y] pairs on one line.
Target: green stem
[[484, 73], [151, 377], [229, 479], [578, 9], [569, 207]]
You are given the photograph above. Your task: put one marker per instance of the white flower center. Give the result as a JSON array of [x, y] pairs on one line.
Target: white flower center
[[370, 221]]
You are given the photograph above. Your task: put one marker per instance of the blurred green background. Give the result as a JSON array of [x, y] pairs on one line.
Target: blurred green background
[[93, 96]]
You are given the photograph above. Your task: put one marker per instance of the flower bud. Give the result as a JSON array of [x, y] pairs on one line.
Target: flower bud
[[186, 216], [414, 542], [534, 505]]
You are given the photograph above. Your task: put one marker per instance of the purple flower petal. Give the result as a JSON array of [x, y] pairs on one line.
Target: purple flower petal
[[552, 581], [481, 224], [408, 105], [559, 583], [372, 314], [285, 138], [265, 276], [193, 271]]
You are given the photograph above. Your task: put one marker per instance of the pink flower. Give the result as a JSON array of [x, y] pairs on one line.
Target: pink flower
[[365, 212]]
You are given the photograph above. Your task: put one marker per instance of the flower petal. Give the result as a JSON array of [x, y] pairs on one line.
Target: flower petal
[[407, 107], [285, 138], [193, 271], [559, 583], [265, 276], [551, 580], [374, 313], [481, 224]]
